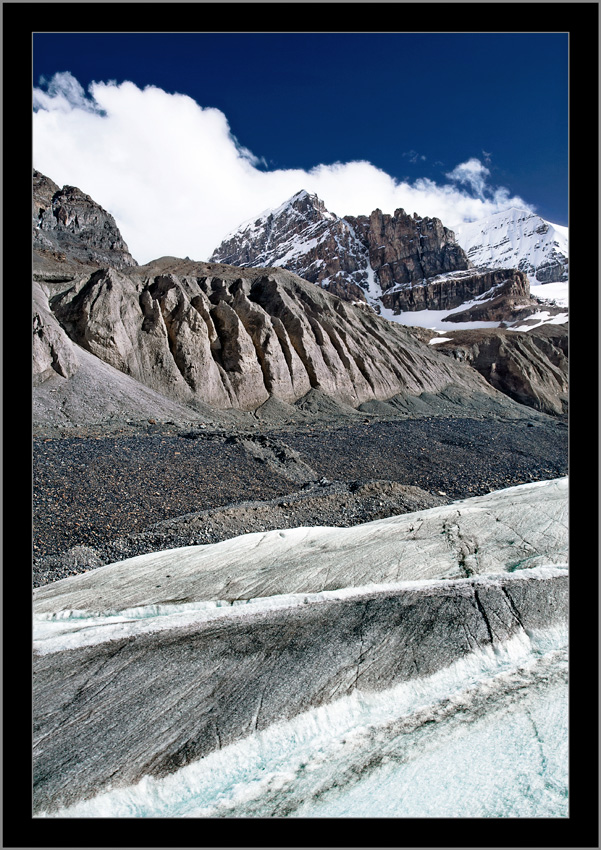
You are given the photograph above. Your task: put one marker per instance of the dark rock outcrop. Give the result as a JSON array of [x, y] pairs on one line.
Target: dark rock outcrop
[[68, 226], [446, 292], [353, 257], [531, 367], [405, 249]]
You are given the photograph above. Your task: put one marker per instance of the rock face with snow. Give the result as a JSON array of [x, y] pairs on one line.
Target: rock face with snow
[[210, 336], [356, 258], [519, 239], [404, 249], [155, 670], [401, 263], [69, 225], [303, 237], [447, 291]]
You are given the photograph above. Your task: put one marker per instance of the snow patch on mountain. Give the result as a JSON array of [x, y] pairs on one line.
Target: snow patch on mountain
[[518, 239]]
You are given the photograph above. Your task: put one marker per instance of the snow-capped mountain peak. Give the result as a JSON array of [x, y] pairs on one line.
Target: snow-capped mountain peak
[[401, 265], [518, 239], [357, 258], [297, 235]]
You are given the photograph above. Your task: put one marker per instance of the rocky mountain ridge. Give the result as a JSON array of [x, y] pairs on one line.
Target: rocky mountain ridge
[[215, 337], [228, 337], [394, 264], [356, 258], [68, 226]]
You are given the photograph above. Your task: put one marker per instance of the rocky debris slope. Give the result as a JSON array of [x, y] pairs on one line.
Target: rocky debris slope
[[519, 239], [125, 644], [98, 500], [507, 530], [68, 226], [530, 367], [94, 398], [230, 338], [323, 502]]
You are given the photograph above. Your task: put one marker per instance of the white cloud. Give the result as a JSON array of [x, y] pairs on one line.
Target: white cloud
[[177, 180], [471, 173]]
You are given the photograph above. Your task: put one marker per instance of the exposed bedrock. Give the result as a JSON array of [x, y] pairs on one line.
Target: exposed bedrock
[[445, 292], [404, 248], [69, 226], [530, 367], [110, 713], [53, 351], [233, 338], [341, 254]]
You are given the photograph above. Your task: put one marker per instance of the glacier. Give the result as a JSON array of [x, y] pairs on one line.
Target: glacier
[[484, 738], [412, 667], [518, 239]]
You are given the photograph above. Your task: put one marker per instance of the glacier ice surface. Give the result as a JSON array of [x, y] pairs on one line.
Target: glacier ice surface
[[485, 737]]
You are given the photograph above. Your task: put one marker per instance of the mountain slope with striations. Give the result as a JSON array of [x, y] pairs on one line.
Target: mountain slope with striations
[[216, 337]]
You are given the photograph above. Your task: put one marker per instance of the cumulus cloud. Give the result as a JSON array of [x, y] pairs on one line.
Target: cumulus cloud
[[63, 93], [178, 181]]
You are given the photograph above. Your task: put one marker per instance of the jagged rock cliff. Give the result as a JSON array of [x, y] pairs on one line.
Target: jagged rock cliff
[[404, 249], [356, 258], [70, 226], [303, 237], [447, 291], [405, 263]]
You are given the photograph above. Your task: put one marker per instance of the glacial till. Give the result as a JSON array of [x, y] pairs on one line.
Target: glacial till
[[101, 499]]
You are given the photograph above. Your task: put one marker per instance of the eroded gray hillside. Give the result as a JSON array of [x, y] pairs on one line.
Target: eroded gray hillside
[[232, 338]]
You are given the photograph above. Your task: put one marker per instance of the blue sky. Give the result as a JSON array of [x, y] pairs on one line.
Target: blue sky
[[440, 118]]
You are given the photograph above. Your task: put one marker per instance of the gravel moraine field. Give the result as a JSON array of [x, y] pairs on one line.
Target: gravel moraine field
[[90, 491]]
